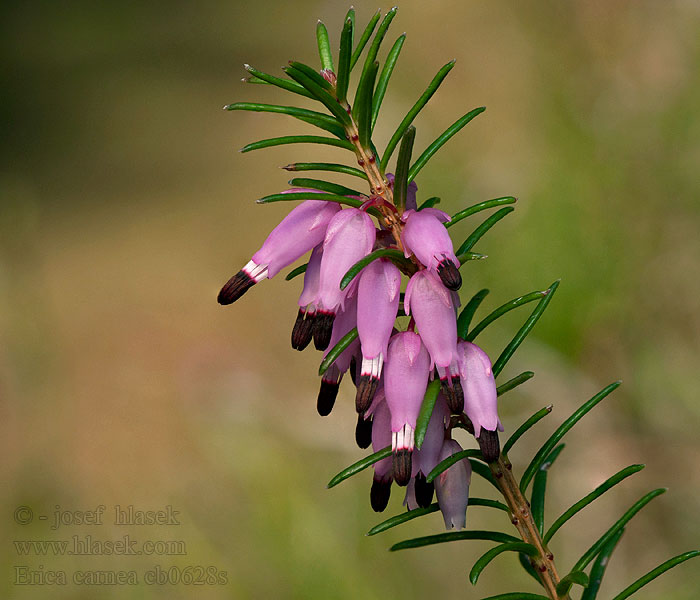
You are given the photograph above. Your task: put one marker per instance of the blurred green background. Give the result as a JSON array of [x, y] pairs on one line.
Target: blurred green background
[[125, 206]]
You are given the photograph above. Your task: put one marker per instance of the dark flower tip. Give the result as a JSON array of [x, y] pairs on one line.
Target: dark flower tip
[[303, 330], [424, 491], [379, 494], [366, 387], [323, 327], [235, 287], [489, 445], [401, 466], [326, 397], [363, 431], [454, 395], [449, 274]]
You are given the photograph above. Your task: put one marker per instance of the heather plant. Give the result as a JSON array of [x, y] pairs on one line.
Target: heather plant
[[418, 374]]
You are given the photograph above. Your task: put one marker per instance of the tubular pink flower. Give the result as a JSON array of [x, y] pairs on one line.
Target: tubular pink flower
[[349, 237], [429, 453], [452, 487], [377, 307], [432, 306], [426, 237], [405, 379], [302, 229], [381, 438], [303, 326], [330, 381], [480, 397]]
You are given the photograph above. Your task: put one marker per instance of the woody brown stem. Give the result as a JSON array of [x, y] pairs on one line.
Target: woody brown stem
[[521, 517]]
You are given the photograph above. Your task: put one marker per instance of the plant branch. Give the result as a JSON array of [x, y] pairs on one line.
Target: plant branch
[[521, 517]]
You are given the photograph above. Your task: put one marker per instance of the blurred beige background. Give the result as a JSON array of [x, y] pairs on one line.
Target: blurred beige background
[[125, 206]]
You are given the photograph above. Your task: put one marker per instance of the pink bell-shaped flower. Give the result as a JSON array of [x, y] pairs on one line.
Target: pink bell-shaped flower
[[381, 438], [452, 487], [304, 324], [425, 236], [349, 237], [302, 229], [432, 306], [480, 397], [377, 307], [330, 380], [405, 378]]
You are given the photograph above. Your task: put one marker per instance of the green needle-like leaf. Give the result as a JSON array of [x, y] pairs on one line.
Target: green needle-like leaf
[[561, 431], [298, 271], [426, 411], [599, 567], [517, 596], [591, 553], [325, 186], [364, 38], [451, 460], [337, 350], [291, 196], [385, 75], [594, 495], [515, 382], [512, 346], [324, 47], [376, 42], [313, 75], [403, 518], [483, 562], [651, 575], [454, 536], [360, 465], [465, 317], [318, 119], [396, 256], [478, 233], [538, 416], [415, 109], [539, 487], [575, 577], [441, 141], [343, 79], [401, 177], [362, 109], [429, 203], [467, 256], [290, 86], [319, 92], [502, 310], [475, 208], [331, 167], [297, 139], [419, 512]]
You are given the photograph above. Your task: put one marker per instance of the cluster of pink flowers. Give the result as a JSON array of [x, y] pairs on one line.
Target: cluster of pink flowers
[[391, 369]]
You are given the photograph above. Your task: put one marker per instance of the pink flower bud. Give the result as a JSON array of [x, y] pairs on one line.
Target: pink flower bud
[[377, 307], [480, 399], [349, 237], [405, 379], [381, 438], [302, 229], [452, 487], [304, 324], [425, 236]]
